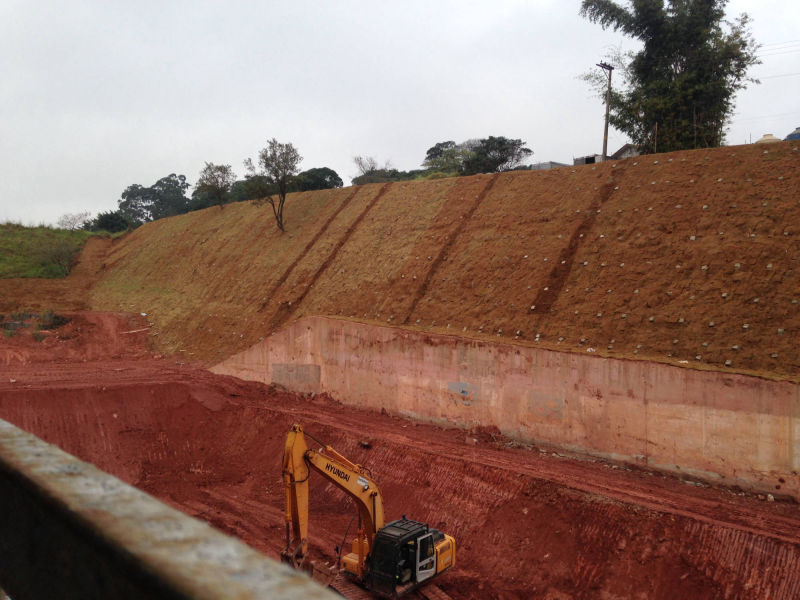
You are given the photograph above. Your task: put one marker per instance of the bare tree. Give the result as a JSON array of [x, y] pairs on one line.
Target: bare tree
[[368, 164], [278, 164], [365, 164], [73, 221]]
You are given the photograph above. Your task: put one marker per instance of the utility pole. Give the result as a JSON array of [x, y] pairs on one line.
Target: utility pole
[[607, 68]]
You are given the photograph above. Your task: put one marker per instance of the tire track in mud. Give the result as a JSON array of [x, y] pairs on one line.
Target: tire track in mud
[[300, 257], [287, 309], [563, 266], [445, 249]]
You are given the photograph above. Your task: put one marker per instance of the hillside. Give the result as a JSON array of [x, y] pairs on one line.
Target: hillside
[[70, 293], [689, 256], [38, 251]]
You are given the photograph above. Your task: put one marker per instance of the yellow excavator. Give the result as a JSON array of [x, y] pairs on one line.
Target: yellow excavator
[[389, 559]]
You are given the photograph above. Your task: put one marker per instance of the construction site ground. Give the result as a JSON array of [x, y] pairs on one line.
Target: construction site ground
[[530, 522]]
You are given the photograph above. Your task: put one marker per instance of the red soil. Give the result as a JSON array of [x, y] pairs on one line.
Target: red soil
[[529, 523]]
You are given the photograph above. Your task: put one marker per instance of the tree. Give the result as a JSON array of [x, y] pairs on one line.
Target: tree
[[134, 204], [170, 196], [678, 91], [320, 178], [278, 164], [213, 186], [487, 155], [447, 157], [494, 154], [367, 165], [251, 188], [73, 221], [165, 198], [111, 221], [371, 172], [437, 150]]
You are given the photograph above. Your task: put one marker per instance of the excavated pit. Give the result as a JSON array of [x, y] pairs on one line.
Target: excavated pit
[[529, 523]]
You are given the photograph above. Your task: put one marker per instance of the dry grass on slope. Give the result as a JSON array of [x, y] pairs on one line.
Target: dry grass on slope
[[666, 257]]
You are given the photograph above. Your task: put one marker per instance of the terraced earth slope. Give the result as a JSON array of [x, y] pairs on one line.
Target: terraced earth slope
[[689, 256]]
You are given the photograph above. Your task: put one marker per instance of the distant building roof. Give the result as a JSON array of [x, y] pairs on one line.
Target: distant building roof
[[546, 166], [795, 135], [768, 138], [626, 151], [587, 160]]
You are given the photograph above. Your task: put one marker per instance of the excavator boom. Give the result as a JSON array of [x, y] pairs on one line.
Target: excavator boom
[[295, 482], [353, 479]]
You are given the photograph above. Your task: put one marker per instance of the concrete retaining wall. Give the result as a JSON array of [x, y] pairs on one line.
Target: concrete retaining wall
[[731, 428]]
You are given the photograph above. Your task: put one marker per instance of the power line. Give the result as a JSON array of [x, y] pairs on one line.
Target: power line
[[780, 43], [782, 75], [780, 53], [775, 116]]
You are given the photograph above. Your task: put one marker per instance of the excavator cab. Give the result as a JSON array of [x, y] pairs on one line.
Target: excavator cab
[[405, 554]]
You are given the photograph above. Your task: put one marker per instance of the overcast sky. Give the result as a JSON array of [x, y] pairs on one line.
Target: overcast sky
[[96, 96]]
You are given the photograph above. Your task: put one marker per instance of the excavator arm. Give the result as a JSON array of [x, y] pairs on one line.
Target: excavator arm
[[295, 482], [352, 478]]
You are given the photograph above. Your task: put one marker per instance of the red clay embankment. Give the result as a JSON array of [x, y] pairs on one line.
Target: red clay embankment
[[690, 256]]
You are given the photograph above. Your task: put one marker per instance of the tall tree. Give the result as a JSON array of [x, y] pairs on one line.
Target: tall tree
[[493, 154], [487, 155], [251, 188], [214, 185], [110, 221], [320, 178], [447, 157], [678, 90], [278, 163], [170, 196], [165, 198]]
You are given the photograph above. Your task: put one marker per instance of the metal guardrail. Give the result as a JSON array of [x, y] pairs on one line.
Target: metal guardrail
[[69, 530]]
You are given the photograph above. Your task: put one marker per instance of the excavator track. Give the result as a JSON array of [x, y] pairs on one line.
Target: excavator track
[[346, 588], [350, 590], [431, 592]]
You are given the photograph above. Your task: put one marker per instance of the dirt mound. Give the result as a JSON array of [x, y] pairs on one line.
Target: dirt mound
[[33, 338], [689, 257]]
